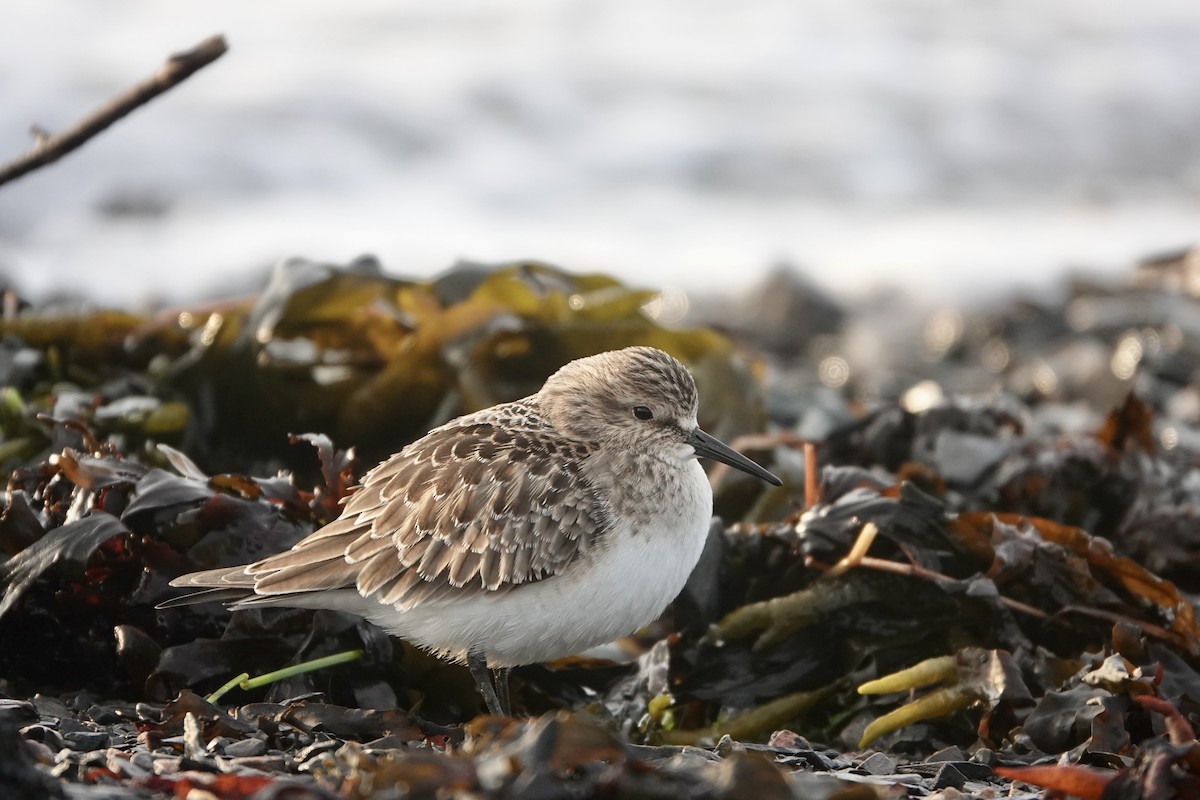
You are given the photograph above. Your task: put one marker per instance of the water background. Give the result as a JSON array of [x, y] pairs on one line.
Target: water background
[[949, 149]]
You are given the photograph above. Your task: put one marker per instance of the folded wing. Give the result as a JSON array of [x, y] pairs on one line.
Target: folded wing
[[475, 506]]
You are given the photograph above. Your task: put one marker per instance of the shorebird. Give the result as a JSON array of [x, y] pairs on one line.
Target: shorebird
[[518, 534]]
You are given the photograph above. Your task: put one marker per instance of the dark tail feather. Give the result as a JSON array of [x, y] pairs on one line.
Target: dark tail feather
[[230, 595]]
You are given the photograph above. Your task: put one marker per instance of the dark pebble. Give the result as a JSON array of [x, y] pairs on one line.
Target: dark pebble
[[949, 776], [18, 710], [245, 747], [86, 741], [43, 735]]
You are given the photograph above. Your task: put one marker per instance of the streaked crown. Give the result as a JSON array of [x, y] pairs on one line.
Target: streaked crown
[[635, 394]]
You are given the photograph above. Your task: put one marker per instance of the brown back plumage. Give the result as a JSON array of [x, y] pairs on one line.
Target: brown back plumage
[[490, 501]]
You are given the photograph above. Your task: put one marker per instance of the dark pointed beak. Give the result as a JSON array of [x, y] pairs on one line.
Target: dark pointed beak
[[710, 447]]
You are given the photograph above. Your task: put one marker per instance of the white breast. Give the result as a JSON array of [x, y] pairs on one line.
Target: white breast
[[611, 592]]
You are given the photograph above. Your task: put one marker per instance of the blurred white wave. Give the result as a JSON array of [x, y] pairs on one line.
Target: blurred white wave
[[948, 148]]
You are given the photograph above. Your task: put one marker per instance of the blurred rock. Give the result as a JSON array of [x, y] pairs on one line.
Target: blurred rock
[[781, 316], [1173, 271]]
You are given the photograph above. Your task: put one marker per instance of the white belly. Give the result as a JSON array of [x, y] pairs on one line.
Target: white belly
[[611, 592]]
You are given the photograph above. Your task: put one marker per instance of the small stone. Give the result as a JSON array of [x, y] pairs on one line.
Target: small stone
[[878, 764], [727, 746], [949, 793], [246, 747], [43, 735], [148, 713], [143, 759], [86, 741], [40, 752], [985, 756], [315, 749], [789, 740], [50, 706], [167, 765], [949, 776], [120, 762], [951, 753]]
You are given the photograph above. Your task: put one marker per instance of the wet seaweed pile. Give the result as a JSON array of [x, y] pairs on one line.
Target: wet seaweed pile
[[980, 576]]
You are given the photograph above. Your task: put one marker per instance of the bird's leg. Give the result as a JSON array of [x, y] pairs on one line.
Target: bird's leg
[[483, 679], [500, 679]]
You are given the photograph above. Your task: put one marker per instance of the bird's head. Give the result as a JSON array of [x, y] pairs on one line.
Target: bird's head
[[638, 398]]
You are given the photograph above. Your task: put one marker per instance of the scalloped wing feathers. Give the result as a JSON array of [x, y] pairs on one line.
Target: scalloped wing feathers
[[486, 503]]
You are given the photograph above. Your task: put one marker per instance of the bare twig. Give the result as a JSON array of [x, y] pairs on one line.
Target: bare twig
[[178, 68], [917, 571], [1148, 628], [812, 482], [858, 551]]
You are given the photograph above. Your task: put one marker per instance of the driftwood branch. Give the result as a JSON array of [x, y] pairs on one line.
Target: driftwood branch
[[50, 148]]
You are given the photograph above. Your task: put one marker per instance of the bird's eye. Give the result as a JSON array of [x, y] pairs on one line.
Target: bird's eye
[[641, 412]]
